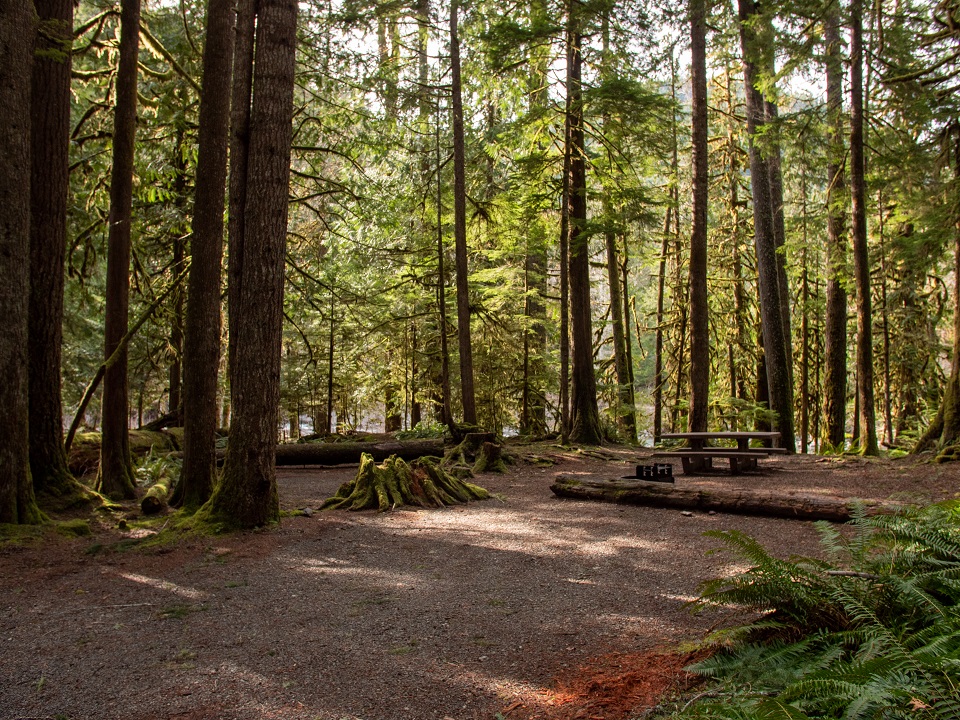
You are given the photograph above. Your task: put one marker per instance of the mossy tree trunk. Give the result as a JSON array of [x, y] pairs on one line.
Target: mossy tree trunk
[[17, 504], [49, 181]]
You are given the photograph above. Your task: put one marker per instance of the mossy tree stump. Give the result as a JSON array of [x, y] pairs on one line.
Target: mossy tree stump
[[395, 483], [479, 452]]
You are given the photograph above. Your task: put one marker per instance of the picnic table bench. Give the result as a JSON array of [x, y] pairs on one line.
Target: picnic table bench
[[698, 456]]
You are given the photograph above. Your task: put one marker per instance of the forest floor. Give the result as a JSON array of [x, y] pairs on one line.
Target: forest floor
[[525, 606]]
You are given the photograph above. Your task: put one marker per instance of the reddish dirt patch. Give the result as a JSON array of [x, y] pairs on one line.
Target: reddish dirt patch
[[612, 687]]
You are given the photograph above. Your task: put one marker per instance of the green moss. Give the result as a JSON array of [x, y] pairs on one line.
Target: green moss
[[15, 535], [74, 528]]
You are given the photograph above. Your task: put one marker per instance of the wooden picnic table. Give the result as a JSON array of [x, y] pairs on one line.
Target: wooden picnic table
[[699, 454]]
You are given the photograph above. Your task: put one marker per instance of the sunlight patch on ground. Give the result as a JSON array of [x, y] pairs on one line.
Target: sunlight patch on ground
[[324, 567], [511, 531], [182, 591]]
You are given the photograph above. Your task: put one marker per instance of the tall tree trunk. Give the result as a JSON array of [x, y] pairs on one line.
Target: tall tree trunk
[[585, 414], [201, 348], [861, 260], [17, 28], [446, 410], [247, 494], [774, 340], [468, 398], [49, 182], [658, 374], [175, 373], [626, 412], [943, 434], [564, 252], [835, 330], [951, 399], [885, 317], [775, 179], [699, 330], [533, 415], [242, 91], [626, 415], [805, 311], [115, 478]]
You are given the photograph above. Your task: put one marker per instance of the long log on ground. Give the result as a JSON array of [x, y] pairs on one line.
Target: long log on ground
[[746, 502], [349, 452]]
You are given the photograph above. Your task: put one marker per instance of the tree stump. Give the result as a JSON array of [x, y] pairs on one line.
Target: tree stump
[[490, 459], [395, 483]]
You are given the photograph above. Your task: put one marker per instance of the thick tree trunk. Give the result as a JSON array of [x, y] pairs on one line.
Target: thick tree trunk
[[743, 502], [460, 229], [247, 494], [115, 478], [774, 341], [699, 330], [17, 26], [201, 350], [585, 416], [49, 182], [949, 414], [858, 231], [835, 330], [241, 94]]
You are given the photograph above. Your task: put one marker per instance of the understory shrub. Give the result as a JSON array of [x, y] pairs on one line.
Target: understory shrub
[[872, 633]]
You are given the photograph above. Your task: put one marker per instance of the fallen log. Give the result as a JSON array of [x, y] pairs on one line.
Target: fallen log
[[745, 502], [348, 453], [156, 498]]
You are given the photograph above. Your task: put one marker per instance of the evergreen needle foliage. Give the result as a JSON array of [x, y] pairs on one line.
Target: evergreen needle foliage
[[875, 633]]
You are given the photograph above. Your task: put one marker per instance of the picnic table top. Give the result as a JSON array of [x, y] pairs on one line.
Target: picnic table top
[[721, 434]]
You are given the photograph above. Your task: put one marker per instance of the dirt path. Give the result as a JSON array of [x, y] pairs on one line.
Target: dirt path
[[456, 613]]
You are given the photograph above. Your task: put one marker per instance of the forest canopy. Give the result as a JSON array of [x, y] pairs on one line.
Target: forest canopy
[[597, 219]]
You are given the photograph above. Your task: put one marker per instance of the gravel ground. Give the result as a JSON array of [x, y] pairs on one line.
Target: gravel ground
[[413, 614]]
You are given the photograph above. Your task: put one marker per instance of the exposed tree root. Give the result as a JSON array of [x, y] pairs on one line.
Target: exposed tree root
[[395, 483]]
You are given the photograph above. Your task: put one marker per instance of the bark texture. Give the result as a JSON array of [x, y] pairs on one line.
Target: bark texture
[[201, 347], [247, 494], [49, 181], [17, 504], [835, 330], [858, 232], [460, 229], [778, 373], [585, 414], [699, 329], [116, 469], [241, 94]]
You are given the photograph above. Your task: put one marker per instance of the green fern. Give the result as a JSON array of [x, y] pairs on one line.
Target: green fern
[[873, 634]]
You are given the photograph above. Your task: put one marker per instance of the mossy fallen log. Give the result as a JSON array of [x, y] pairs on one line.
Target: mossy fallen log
[[156, 498], [746, 502], [341, 453], [396, 483]]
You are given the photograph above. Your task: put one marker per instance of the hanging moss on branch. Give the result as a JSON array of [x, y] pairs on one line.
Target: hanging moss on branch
[[395, 483]]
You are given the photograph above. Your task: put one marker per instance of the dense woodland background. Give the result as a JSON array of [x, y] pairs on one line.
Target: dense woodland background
[[540, 217]]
